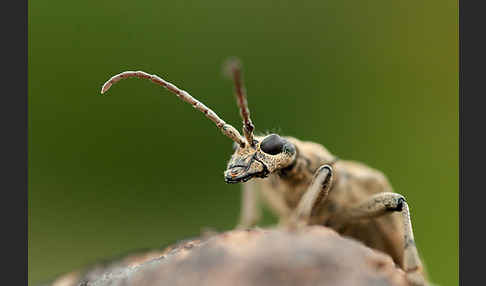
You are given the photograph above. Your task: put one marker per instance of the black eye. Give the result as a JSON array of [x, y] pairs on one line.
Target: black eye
[[273, 144]]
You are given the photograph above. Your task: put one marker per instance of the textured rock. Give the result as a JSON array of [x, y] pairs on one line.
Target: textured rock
[[314, 256]]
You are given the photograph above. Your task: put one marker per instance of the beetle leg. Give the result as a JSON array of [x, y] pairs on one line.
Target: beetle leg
[[383, 203], [315, 195], [250, 212]]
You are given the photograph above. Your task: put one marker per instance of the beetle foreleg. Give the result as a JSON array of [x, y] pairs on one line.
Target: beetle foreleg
[[314, 196], [250, 212]]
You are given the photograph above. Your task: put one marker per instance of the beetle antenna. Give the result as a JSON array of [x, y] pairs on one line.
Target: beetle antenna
[[233, 69], [225, 128]]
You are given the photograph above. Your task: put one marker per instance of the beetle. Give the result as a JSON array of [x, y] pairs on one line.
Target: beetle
[[305, 184]]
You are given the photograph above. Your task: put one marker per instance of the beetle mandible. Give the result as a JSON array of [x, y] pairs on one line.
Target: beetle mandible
[[303, 183]]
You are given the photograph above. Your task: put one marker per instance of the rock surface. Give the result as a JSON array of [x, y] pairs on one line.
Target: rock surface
[[313, 256]]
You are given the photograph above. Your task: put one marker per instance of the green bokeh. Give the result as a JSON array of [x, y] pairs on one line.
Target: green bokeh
[[374, 81]]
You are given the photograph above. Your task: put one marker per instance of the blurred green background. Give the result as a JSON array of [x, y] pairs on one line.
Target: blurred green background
[[374, 81]]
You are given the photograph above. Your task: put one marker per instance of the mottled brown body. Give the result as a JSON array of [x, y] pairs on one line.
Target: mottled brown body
[[353, 183]]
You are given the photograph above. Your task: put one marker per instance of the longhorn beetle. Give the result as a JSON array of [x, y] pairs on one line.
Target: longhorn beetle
[[303, 183]]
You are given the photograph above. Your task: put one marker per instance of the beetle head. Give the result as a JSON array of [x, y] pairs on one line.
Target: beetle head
[[268, 154]]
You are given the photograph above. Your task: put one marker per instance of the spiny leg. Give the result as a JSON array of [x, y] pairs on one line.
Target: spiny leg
[[250, 212], [383, 203], [313, 197]]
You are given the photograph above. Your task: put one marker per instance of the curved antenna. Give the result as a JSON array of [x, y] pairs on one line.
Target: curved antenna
[[227, 129], [233, 69]]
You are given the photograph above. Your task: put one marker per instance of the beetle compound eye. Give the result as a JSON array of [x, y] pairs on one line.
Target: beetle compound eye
[[273, 144]]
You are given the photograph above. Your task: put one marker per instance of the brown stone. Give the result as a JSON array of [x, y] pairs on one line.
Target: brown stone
[[314, 256]]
